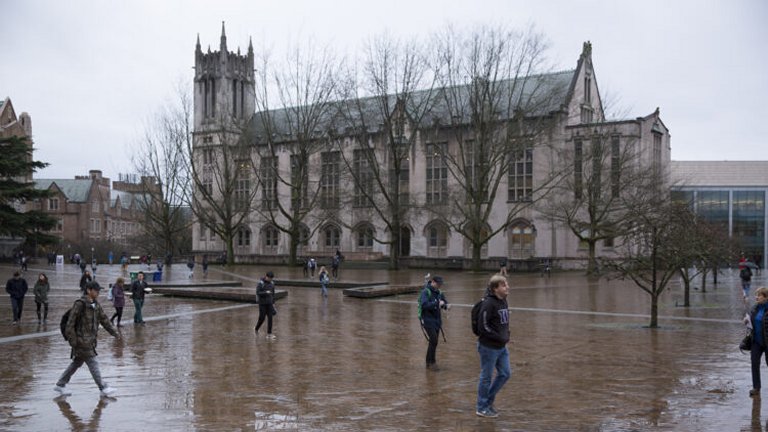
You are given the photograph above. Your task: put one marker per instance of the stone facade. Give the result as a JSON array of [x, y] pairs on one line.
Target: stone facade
[[427, 240]]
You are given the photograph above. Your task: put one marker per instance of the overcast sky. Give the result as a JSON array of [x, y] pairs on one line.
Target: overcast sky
[[91, 73]]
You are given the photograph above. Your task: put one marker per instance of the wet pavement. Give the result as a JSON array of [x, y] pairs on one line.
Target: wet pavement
[[582, 360]]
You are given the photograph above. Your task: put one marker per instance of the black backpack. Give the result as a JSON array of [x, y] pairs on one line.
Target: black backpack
[[476, 316], [745, 273], [65, 319]]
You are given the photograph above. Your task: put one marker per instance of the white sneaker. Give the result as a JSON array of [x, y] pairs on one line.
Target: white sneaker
[[62, 391], [108, 391], [271, 337]]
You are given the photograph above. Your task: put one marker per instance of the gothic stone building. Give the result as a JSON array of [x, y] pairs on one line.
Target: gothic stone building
[[224, 85]]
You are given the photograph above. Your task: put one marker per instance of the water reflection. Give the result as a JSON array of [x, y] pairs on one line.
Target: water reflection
[[77, 422]]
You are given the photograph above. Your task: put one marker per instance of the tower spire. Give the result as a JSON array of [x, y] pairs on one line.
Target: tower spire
[[223, 45], [197, 46]]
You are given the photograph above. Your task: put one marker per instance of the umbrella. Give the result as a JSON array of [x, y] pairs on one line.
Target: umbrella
[[749, 264]]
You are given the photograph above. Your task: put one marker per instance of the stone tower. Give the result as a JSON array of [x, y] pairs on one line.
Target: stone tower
[[224, 86]]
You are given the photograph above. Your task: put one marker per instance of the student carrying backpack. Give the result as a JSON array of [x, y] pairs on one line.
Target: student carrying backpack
[[431, 301]]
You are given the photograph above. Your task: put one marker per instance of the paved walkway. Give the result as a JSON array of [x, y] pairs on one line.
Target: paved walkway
[[582, 360]]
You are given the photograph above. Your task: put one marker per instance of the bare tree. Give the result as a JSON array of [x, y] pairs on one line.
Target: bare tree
[[386, 105], [221, 165], [653, 246], [495, 103], [165, 188], [599, 168], [293, 98]]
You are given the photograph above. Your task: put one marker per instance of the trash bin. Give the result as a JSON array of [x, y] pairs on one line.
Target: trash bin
[[157, 276]]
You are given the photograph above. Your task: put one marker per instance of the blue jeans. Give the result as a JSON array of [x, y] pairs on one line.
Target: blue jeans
[[746, 285], [490, 359], [138, 304], [17, 305], [93, 366], [324, 288]]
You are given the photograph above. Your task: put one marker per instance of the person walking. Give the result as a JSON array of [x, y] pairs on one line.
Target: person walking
[[431, 301], [503, 266], [17, 288], [265, 290], [312, 267], [758, 320], [335, 263], [118, 300], [84, 279], [745, 274], [40, 290], [81, 332], [493, 323], [191, 266], [324, 280], [138, 288], [205, 266]]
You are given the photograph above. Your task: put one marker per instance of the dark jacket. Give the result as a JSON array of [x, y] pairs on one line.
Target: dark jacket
[[16, 287], [137, 288], [41, 291], [84, 279], [118, 295], [83, 326], [265, 291], [752, 317], [429, 299], [494, 322]]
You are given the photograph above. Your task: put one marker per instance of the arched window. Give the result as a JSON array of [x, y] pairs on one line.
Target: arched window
[[437, 239], [244, 237], [269, 237], [331, 237], [522, 238], [364, 234]]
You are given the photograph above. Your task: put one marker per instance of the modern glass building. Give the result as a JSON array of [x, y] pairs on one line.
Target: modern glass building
[[730, 193]]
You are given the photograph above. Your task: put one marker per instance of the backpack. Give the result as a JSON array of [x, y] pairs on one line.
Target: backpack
[[745, 273], [65, 319], [476, 316], [418, 305]]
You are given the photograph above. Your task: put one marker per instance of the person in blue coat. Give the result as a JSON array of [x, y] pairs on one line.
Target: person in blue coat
[[431, 302]]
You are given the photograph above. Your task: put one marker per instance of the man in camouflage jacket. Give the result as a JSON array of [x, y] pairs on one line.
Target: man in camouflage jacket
[[81, 332]]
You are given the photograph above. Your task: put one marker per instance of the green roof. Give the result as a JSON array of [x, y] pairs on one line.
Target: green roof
[[74, 190]]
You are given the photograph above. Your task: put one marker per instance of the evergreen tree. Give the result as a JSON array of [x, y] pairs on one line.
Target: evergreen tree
[[15, 165]]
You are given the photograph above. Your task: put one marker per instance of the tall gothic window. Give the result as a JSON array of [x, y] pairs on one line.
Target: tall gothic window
[[329, 179], [243, 185], [299, 182], [615, 166], [520, 180], [437, 239], [437, 173], [578, 166], [363, 178], [268, 182]]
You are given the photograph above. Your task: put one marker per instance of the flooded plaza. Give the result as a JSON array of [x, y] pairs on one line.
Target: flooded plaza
[[582, 359]]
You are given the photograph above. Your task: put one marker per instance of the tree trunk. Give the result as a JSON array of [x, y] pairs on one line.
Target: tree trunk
[[476, 256], [592, 262], [654, 309]]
